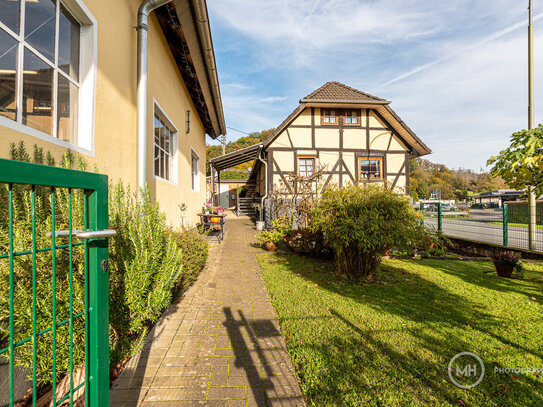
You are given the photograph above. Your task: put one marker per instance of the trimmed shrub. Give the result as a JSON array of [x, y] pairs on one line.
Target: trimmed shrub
[[145, 266], [363, 222], [307, 242], [195, 251]]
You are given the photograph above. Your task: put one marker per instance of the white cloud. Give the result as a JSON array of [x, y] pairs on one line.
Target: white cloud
[[455, 71]]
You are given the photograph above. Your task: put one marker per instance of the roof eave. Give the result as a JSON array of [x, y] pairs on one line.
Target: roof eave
[[350, 102]]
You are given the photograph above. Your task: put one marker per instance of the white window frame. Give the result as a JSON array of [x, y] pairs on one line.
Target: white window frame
[[87, 82], [159, 111], [193, 153]]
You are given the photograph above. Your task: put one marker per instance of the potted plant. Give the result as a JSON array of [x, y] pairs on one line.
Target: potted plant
[[283, 226], [270, 239], [506, 261], [206, 208], [260, 224]]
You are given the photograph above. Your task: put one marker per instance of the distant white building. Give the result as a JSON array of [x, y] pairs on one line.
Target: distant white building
[[498, 197]]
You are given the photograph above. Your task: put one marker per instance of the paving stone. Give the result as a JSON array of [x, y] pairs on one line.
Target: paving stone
[[225, 393], [220, 345], [219, 376]]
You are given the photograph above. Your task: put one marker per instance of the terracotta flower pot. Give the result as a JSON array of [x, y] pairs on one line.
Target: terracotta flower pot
[[504, 270], [271, 247]]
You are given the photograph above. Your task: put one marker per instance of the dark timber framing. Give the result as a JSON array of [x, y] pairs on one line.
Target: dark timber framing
[[341, 167]]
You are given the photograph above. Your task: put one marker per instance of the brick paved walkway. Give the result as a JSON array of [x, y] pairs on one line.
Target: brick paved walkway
[[219, 346]]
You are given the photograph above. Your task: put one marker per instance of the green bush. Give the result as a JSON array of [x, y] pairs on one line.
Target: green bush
[[363, 222], [145, 266], [23, 266], [307, 242], [195, 251], [270, 236], [148, 264]]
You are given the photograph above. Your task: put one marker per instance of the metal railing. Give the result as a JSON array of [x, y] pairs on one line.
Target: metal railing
[[507, 226], [29, 191]]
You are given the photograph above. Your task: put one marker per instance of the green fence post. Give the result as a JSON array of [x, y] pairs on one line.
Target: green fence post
[[98, 341], [439, 218], [505, 224], [422, 212]]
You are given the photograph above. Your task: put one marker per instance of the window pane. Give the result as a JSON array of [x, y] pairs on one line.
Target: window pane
[[157, 163], [67, 110], [332, 119], [162, 131], [167, 135], [8, 64], [162, 161], [166, 166], [157, 130], [37, 93], [10, 14], [40, 26], [364, 167], [68, 43]]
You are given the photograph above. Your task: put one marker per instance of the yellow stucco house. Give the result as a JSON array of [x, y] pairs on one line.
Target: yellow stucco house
[[130, 85]]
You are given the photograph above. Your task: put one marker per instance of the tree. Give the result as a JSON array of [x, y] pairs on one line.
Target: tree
[[255, 137], [521, 164]]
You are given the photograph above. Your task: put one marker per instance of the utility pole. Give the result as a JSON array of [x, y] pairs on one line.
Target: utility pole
[[531, 195], [224, 142]]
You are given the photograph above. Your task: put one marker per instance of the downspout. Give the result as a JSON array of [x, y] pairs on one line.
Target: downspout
[[142, 28], [265, 184]]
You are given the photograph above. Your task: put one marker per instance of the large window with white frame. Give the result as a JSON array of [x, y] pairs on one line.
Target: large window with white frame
[[40, 57], [194, 171], [165, 147]]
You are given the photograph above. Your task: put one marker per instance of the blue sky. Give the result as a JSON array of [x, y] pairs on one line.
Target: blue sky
[[455, 71]]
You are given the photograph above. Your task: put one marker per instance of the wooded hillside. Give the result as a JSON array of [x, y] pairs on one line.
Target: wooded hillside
[[240, 171]]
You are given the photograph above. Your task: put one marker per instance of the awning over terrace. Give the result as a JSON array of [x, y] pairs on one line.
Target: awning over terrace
[[229, 160], [237, 157]]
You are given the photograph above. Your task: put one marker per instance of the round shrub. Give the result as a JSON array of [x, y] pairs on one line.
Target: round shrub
[[310, 243], [363, 222]]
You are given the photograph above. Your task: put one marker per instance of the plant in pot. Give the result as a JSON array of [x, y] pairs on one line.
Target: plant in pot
[[260, 224], [270, 239], [506, 262], [206, 207], [283, 226]]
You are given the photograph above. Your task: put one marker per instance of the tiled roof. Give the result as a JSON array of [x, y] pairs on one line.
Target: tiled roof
[[335, 91]]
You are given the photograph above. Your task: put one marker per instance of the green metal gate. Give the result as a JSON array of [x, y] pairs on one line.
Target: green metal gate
[[26, 177]]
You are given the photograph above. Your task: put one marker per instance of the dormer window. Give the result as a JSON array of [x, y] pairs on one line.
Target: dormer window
[[329, 116], [351, 117]]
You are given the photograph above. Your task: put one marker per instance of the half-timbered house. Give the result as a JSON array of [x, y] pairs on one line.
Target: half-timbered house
[[349, 135]]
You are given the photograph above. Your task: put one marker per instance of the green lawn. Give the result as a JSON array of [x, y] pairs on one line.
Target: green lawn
[[517, 225], [389, 342]]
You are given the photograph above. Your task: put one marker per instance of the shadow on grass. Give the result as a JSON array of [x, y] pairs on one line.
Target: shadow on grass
[[402, 360]]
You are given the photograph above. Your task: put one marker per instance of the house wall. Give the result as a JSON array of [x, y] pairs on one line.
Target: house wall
[[114, 148], [337, 148]]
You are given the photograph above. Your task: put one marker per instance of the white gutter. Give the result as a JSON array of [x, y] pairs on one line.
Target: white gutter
[[143, 16], [204, 34]]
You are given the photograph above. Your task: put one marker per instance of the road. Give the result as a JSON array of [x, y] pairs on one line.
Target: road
[[479, 228]]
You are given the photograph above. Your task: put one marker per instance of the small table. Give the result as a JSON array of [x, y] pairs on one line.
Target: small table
[[206, 224]]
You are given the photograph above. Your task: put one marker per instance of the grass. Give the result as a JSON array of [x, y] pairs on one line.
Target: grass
[[388, 342], [517, 225]]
